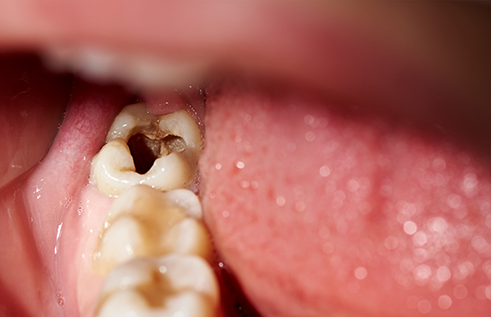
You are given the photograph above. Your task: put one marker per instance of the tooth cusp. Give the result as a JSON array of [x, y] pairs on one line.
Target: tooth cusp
[[131, 120], [109, 167], [172, 284], [143, 222], [188, 237], [130, 243], [187, 200]]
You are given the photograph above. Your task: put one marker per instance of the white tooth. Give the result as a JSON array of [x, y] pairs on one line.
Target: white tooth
[[187, 200], [174, 285], [144, 199], [132, 68], [113, 169], [126, 231], [188, 237], [145, 222]]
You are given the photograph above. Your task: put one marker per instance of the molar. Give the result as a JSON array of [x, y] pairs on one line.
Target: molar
[[143, 222], [174, 285], [171, 142]]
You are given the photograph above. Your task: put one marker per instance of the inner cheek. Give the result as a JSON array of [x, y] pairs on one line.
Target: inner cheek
[[327, 211], [31, 99]]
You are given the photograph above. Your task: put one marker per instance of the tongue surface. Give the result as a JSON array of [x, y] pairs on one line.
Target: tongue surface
[[320, 212]]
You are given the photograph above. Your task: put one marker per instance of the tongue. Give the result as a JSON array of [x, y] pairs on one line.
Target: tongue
[[322, 213]]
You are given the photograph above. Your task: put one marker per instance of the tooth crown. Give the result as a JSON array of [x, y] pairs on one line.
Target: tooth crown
[[145, 222], [178, 136], [167, 286]]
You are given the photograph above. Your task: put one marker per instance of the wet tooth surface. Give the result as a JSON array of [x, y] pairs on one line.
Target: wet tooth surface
[[174, 285], [143, 222], [158, 151]]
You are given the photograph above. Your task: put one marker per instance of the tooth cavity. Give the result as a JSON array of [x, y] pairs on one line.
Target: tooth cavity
[[174, 285], [143, 222], [164, 151]]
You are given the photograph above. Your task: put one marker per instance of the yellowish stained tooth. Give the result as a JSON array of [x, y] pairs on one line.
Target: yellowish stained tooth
[[188, 237], [180, 123], [113, 170], [174, 285], [175, 139], [127, 232], [143, 222]]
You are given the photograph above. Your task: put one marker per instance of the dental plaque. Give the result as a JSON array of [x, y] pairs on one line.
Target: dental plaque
[[153, 246]]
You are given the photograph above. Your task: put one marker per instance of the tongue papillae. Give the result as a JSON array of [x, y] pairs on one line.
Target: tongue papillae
[[321, 211]]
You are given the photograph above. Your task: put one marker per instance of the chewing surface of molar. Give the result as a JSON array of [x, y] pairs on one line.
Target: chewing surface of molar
[[143, 222], [173, 285], [173, 139]]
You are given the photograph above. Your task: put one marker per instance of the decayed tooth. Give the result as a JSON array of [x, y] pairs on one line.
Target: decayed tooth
[[143, 222], [174, 139], [174, 285], [113, 170], [131, 120], [181, 124]]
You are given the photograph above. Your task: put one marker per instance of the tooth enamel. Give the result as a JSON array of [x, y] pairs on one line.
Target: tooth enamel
[[180, 123], [187, 200], [127, 232], [131, 68], [174, 285], [188, 237], [113, 169], [132, 119], [144, 222]]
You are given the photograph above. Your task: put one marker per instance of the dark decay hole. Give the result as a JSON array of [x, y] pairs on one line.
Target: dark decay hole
[[145, 150]]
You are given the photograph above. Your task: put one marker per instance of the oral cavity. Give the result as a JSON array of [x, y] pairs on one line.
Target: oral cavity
[[153, 243]]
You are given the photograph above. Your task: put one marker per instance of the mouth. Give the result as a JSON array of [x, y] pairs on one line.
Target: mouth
[[345, 171]]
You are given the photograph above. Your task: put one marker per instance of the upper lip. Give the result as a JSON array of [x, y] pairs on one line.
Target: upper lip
[[330, 46], [408, 59]]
